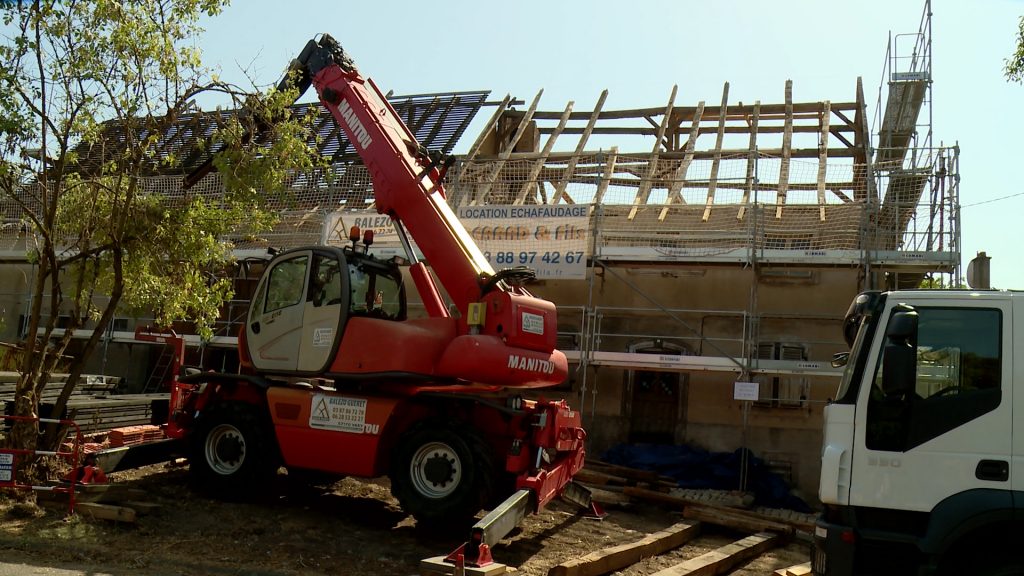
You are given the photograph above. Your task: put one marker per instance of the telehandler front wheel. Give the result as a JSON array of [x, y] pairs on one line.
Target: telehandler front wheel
[[233, 453], [442, 474]]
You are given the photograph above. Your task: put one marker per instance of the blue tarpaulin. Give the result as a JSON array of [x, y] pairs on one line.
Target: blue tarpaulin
[[700, 469]]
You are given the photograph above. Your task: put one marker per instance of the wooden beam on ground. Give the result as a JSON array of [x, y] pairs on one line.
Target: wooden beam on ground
[[725, 513], [823, 158], [787, 145], [643, 192], [627, 472], [679, 177], [713, 180], [798, 570], [623, 555], [725, 558], [606, 496], [751, 160], [609, 171], [571, 167], [105, 511], [735, 519], [538, 164], [596, 477]]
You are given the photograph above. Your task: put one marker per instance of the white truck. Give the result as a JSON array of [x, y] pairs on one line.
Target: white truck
[[923, 458]]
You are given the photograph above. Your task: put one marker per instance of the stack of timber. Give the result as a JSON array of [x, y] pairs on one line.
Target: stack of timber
[[92, 404], [630, 485]]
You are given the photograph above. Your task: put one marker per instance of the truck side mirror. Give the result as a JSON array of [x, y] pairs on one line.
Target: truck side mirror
[[899, 364], [840, 359]]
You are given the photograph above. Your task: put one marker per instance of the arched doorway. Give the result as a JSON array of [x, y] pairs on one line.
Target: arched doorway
[[656, 400]]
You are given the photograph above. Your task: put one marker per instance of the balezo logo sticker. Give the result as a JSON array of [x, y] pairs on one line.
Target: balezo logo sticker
[[533, 323], [340, 413], [323, 337]]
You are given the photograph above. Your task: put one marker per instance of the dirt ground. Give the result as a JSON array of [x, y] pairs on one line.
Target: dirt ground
[[350, 527]]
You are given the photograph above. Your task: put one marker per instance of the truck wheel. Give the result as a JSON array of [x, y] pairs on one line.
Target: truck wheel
[[233, 453], [442, 475]]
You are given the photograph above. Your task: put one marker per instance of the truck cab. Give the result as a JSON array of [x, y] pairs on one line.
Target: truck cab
[[922, 465]]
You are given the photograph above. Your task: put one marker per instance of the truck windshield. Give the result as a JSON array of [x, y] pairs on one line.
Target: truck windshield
[[862, 317], [863, 333]]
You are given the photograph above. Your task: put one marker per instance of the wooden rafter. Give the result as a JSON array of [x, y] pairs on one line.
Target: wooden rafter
[[609, 171], [571, 168], [862, 180], [826, 113], [679, 177], [787, 144], [643, 192], [506, 151], [474, 150], [538, 164], [748, 183], [716, 162]]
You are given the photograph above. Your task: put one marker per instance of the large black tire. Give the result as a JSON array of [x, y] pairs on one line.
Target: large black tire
[[233, 452], [442, 474]]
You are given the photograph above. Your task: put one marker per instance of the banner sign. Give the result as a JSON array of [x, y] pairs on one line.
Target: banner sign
[[551, 239], [386, 242]]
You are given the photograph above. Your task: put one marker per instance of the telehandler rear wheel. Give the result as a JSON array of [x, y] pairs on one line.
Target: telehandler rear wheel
[[442, 474], [233, 453]]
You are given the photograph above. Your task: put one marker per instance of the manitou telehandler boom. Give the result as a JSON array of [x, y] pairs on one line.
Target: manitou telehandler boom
[[336, 379]]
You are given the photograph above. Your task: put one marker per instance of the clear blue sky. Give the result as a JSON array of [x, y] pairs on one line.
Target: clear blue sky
[[638, 50]]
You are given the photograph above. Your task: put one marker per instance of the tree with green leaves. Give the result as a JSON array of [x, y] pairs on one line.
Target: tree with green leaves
[[1015, 63], [88, 92]]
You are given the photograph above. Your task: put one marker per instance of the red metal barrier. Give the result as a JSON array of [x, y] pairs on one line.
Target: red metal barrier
[[9, 460]]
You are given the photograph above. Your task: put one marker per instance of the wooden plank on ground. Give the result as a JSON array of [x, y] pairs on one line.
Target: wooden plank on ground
[[627, 472], [798, 570], [735, 519], [105, 511], [688, 504], [140, 507], [623, 555], [596, 477], [725, 558]]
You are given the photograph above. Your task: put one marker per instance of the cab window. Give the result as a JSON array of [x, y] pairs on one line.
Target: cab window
[[326, 282], [373, 293], [959, 378], [285, 285]]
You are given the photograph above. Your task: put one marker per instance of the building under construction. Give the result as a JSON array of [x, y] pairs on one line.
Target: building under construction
[[715, 247]]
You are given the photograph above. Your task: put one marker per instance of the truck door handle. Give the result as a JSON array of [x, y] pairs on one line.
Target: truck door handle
[[995, 470], [255, 327]]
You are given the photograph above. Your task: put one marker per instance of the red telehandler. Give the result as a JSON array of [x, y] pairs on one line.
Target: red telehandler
[[336, 379]]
